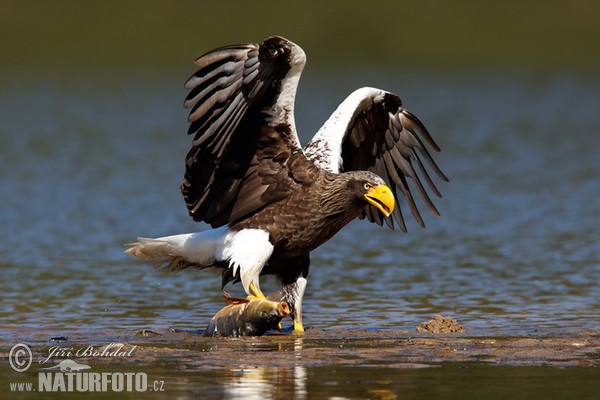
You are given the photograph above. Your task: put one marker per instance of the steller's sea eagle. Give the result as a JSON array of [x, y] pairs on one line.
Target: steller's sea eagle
[[269, 201]]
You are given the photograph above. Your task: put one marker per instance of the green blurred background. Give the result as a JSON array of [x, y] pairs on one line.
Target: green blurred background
[[160, 34]]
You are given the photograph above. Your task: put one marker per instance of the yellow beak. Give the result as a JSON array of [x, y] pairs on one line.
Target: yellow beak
[[382, 198]]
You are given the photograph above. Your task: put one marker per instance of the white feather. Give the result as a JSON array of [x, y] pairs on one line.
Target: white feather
[[195, 248], [325, 148], [247, 250], [299, 287]]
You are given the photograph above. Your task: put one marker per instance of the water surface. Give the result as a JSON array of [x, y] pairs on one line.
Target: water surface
[[90, 163], [88, 166]]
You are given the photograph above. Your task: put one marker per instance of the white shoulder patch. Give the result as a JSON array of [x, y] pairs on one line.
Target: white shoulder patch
[[325, 148]]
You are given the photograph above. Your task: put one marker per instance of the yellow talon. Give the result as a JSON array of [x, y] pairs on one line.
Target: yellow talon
[[256, 293], [298, 327]]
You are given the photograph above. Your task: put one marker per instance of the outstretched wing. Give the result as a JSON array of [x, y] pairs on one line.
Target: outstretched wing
[[241, 103], [371, 131]]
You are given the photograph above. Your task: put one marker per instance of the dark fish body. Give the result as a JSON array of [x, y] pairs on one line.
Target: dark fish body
[[243, 317]]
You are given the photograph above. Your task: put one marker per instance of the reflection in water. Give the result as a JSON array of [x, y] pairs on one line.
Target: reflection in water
[[261, 382], [267, 382]]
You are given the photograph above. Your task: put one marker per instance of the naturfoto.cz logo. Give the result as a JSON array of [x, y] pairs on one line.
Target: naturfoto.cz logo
[[71, 376]]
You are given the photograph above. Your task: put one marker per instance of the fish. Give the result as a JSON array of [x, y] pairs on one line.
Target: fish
[[245, 317]]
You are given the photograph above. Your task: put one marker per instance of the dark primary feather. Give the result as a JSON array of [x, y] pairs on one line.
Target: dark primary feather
[[234, 152], [391, 142], [241, 161]]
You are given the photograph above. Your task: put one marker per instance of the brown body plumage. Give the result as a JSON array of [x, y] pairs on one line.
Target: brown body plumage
[[313, 212]]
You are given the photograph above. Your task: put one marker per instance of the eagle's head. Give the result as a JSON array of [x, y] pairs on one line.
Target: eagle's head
[[368, 188]]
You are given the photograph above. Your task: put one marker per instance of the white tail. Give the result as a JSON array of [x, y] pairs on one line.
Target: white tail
[[180, 251], [247, 250]]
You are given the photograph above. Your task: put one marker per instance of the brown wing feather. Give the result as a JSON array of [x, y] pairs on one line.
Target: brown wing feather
[[227, 166], [270, 176]]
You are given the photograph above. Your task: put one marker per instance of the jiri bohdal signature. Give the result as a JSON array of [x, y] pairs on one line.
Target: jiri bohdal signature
[[112, 350]]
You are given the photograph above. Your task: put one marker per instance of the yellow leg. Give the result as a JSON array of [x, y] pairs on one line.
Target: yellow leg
[[256, 293]]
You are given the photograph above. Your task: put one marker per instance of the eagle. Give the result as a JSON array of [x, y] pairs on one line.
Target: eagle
[[270, 201]]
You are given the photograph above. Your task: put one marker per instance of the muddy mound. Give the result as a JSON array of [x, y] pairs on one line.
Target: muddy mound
[[440, 324]]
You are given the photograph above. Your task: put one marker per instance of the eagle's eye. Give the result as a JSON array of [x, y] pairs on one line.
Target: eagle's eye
[[366, 186]]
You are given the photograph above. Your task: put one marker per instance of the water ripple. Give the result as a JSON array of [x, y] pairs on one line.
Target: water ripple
[[516, 247]]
